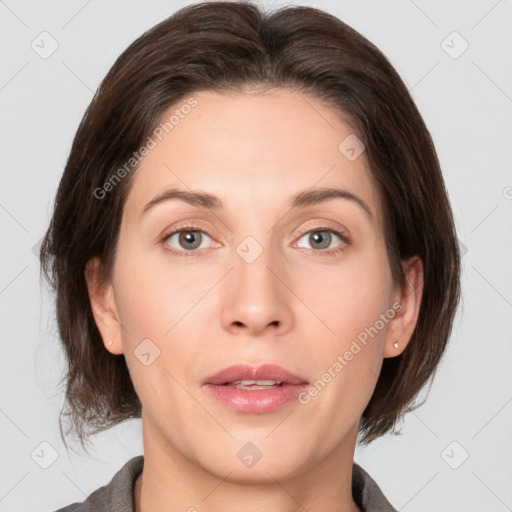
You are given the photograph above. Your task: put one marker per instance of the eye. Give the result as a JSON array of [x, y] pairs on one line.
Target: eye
[[186, 240], [322, 238]]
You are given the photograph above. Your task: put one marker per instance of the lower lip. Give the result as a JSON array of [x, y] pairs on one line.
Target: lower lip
[[257, 401]]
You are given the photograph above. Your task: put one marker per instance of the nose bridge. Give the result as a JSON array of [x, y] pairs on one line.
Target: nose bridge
[[256, 297], [253, 262]]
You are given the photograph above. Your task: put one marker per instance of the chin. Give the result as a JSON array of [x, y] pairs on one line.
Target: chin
[[258, 461]]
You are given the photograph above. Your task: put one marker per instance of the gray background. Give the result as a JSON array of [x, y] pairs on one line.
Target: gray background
[[467, 104]]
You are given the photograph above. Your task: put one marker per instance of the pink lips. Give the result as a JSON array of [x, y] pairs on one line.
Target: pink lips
[[257, 400]]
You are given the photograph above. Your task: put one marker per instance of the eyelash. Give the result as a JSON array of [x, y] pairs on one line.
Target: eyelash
[[179, 229], [325, 252], [345, 240]]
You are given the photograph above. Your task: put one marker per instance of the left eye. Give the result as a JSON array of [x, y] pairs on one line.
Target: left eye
[[321, 238], [188, 240]]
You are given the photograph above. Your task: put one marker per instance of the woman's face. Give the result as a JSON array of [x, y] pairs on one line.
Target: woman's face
[[254, 281]]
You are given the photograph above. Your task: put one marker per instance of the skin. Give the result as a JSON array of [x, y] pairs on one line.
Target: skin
[[296, 305]]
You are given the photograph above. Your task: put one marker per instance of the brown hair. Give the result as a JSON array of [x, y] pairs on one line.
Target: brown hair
[[235, 46]]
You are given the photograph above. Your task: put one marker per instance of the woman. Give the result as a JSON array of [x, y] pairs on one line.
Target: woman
[[253, 251]]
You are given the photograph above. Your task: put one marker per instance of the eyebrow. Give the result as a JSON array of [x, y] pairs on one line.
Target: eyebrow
[[300, 200]]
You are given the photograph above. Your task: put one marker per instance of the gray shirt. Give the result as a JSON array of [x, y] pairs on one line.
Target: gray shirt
[[117, 495]]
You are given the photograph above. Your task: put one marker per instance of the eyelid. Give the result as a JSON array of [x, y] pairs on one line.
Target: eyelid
[[341, 232], [327, 226], [188, 225]]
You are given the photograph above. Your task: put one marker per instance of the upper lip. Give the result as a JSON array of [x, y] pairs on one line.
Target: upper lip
[[247, 372]]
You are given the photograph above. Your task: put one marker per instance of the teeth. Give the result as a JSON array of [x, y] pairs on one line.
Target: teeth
[[257, 382], [253, 385]]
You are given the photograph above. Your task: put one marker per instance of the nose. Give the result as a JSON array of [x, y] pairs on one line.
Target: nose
[[256, 296]]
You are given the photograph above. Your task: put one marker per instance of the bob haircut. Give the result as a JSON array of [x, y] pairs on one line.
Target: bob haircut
[[236, 47]]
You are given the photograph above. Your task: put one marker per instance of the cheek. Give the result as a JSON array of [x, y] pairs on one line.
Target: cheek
[[161, 315], [152, 304], [352, 296], [356, 307], [152, 295]]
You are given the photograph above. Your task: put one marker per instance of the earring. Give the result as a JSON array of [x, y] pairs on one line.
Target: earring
[[395, 345], [110, 343]]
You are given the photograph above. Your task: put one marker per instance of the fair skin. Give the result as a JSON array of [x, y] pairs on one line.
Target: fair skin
[[296, 305]]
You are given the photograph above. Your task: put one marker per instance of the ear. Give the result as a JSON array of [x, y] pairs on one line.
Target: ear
[[103, 307], [406, 304]]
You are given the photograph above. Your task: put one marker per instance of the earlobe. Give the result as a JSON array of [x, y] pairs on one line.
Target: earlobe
[[402, 326], [103, 307]]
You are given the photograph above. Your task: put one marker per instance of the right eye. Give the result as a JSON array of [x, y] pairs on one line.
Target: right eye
[[188, 240]]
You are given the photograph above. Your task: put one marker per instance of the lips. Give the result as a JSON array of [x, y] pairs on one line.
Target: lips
[[268, 372], [256, 390]]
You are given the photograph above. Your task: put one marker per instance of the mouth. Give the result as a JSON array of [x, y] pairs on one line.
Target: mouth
[[250, 389]]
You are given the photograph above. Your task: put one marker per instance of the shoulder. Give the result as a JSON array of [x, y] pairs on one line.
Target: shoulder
[[116, 496], [367, 494]]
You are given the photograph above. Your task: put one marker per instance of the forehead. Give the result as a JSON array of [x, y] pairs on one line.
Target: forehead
[[252, 150]]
